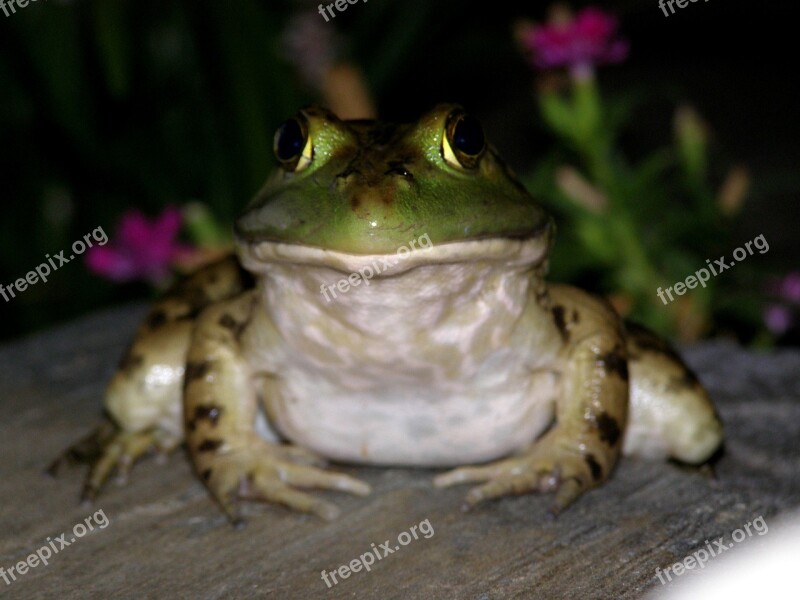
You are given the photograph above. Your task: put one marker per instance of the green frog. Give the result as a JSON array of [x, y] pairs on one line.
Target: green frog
[[388, 307]]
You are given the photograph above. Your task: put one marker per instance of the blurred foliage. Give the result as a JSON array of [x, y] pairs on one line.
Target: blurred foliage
[[626, 222], [636, 230], [109, 105]]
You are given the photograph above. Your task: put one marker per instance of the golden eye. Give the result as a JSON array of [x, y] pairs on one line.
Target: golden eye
[[463, 142], [292, 145]]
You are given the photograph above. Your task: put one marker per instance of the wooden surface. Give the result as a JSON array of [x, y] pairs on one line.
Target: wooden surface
[[165, 538]]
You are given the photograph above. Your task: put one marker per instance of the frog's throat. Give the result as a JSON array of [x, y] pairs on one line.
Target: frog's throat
[[514, 254]]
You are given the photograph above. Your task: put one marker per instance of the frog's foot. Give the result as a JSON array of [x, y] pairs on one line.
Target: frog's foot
[[543, 467], [86, 450], [264, 472], [108, 450]]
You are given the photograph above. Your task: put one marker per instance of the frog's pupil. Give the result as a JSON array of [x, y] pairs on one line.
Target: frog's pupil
[[468, 136], [290, 140]]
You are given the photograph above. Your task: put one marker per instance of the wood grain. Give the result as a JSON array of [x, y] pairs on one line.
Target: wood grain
[[165, 538]]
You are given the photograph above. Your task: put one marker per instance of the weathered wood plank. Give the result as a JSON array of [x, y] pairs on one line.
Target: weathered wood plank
[[165, 538]]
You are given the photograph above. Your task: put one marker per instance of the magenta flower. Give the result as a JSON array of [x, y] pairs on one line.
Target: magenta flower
[[141, 249], [579, 43], [790, 287], [778, 319]]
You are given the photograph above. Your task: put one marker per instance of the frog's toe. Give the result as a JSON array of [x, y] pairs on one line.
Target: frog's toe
[[119, 455], [86, 450], [503, 478], [270, 478], [300, 455], [266, 489], [107, 450], [312, 477], [568, 475], [472, 474]]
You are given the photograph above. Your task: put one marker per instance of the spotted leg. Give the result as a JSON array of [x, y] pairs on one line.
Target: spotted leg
[[143, 399], [580, 449], [220, 408]]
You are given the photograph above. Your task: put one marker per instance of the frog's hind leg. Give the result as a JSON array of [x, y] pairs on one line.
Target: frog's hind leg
[[670, 413], [143, 401]]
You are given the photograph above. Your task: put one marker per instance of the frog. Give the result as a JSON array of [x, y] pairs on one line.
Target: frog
[[455, 354]]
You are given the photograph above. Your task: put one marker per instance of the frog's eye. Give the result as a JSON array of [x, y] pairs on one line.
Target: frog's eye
[[463, 143], [292, 146]]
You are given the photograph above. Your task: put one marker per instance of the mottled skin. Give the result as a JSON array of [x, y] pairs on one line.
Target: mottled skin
[[458, 354]]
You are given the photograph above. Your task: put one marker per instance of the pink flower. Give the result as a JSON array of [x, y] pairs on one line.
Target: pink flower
[[778, 319], [790, 287], [579, 43], [141, 249]]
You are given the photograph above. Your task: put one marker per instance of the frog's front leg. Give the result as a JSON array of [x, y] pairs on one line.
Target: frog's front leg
[[143, 399], [579, 451], [220, 407]]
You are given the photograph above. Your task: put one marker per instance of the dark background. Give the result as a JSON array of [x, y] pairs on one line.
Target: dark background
[[107, 106]]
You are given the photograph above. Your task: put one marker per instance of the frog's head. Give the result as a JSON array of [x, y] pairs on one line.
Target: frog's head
[[360, 188]]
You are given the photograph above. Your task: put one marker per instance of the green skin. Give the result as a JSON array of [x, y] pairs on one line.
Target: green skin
[[459, 354], [377, 213]]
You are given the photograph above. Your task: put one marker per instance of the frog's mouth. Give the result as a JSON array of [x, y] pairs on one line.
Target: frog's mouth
[[520, 253]]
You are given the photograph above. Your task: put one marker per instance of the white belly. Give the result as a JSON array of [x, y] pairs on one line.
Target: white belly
[[402, 423], [435, 365]]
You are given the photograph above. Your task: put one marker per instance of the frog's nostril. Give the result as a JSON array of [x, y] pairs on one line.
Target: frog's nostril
[[396, 167], [348, 172]]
